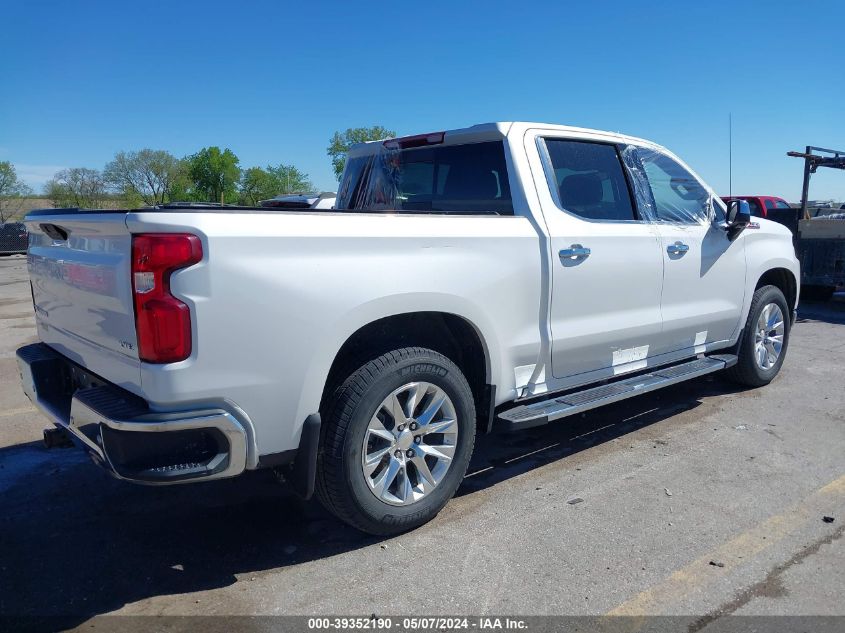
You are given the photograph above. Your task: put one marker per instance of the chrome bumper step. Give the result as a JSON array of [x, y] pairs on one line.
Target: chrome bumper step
[[119, 430], [561, 406]]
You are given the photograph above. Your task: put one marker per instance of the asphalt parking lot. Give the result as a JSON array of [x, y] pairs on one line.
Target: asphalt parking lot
[[699, 500]]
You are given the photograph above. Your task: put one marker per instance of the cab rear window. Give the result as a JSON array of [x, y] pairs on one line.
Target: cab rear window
[[460, 179]]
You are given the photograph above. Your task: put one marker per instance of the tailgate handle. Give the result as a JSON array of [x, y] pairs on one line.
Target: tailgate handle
[[56, 232]]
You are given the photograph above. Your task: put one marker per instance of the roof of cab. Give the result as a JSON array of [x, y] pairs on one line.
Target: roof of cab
[[500, 129]]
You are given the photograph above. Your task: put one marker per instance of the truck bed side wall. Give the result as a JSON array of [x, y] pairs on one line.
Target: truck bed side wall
[[281, 292]]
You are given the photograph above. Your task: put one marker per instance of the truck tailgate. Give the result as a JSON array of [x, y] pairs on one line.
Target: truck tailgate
[[80, 269]]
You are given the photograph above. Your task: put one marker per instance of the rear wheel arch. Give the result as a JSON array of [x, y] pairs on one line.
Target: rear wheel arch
[[449, 334]]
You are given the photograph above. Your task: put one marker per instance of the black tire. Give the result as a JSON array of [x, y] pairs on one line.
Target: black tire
[[747, 371], [812, 292], [341, 485]]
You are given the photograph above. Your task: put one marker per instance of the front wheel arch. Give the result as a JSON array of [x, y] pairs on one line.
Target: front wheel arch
[[783, 279]]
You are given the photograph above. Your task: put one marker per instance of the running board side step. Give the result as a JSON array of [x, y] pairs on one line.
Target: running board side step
[[545, 411]]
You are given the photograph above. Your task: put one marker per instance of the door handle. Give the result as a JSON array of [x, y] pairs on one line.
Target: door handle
[[678, 248], [574, 252]]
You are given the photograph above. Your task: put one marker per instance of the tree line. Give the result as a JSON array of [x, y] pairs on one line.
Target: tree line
[[149, 177]]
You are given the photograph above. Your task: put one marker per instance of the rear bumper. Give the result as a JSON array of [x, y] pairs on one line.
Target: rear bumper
[[120, 432]]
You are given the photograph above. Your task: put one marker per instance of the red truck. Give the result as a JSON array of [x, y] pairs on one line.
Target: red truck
[[763, 206]]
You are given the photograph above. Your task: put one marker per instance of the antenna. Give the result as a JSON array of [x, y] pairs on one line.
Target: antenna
[[730, 155]]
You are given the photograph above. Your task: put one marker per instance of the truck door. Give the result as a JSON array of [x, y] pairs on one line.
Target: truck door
[[606, 265], [704, 271]]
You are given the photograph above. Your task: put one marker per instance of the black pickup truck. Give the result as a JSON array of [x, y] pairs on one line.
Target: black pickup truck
[[13, 238], [820, 247]]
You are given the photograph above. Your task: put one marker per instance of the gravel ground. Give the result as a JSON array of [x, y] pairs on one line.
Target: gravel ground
[[701, 500]]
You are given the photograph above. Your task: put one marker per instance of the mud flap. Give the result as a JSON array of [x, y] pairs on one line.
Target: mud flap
[[304, 472]]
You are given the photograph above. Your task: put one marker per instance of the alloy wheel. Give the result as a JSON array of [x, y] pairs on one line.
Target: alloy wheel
[[768, 338], [409, 443]]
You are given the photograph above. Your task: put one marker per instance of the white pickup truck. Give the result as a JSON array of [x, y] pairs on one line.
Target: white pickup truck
[[500, 276]]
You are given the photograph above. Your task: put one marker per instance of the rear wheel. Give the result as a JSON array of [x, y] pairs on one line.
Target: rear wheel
[[764, 339], [397, 438]]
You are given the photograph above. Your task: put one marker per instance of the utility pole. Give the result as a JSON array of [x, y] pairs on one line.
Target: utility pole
[[730, 155]]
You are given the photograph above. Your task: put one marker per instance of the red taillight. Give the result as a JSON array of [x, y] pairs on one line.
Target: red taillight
[[163, 323]]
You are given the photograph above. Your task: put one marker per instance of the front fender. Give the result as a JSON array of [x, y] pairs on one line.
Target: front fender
[[767, 248]]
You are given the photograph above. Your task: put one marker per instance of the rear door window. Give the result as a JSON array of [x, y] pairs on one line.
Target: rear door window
[[466, 179], [587, 180]]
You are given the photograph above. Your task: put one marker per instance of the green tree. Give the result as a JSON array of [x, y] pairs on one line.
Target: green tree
[[290, 180], [261, 184], [181, 187], [341, 142], [257, 184], [77, 187], [12, 191], [146, 174], [214, 174]]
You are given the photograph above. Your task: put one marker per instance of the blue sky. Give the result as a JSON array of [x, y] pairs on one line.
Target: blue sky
[[273, 80]]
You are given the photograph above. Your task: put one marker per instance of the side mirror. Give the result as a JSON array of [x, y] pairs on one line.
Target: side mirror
[[739, 216]]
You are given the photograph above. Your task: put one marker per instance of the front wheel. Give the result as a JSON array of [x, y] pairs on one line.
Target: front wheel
[[763, 342], [396, 441]]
